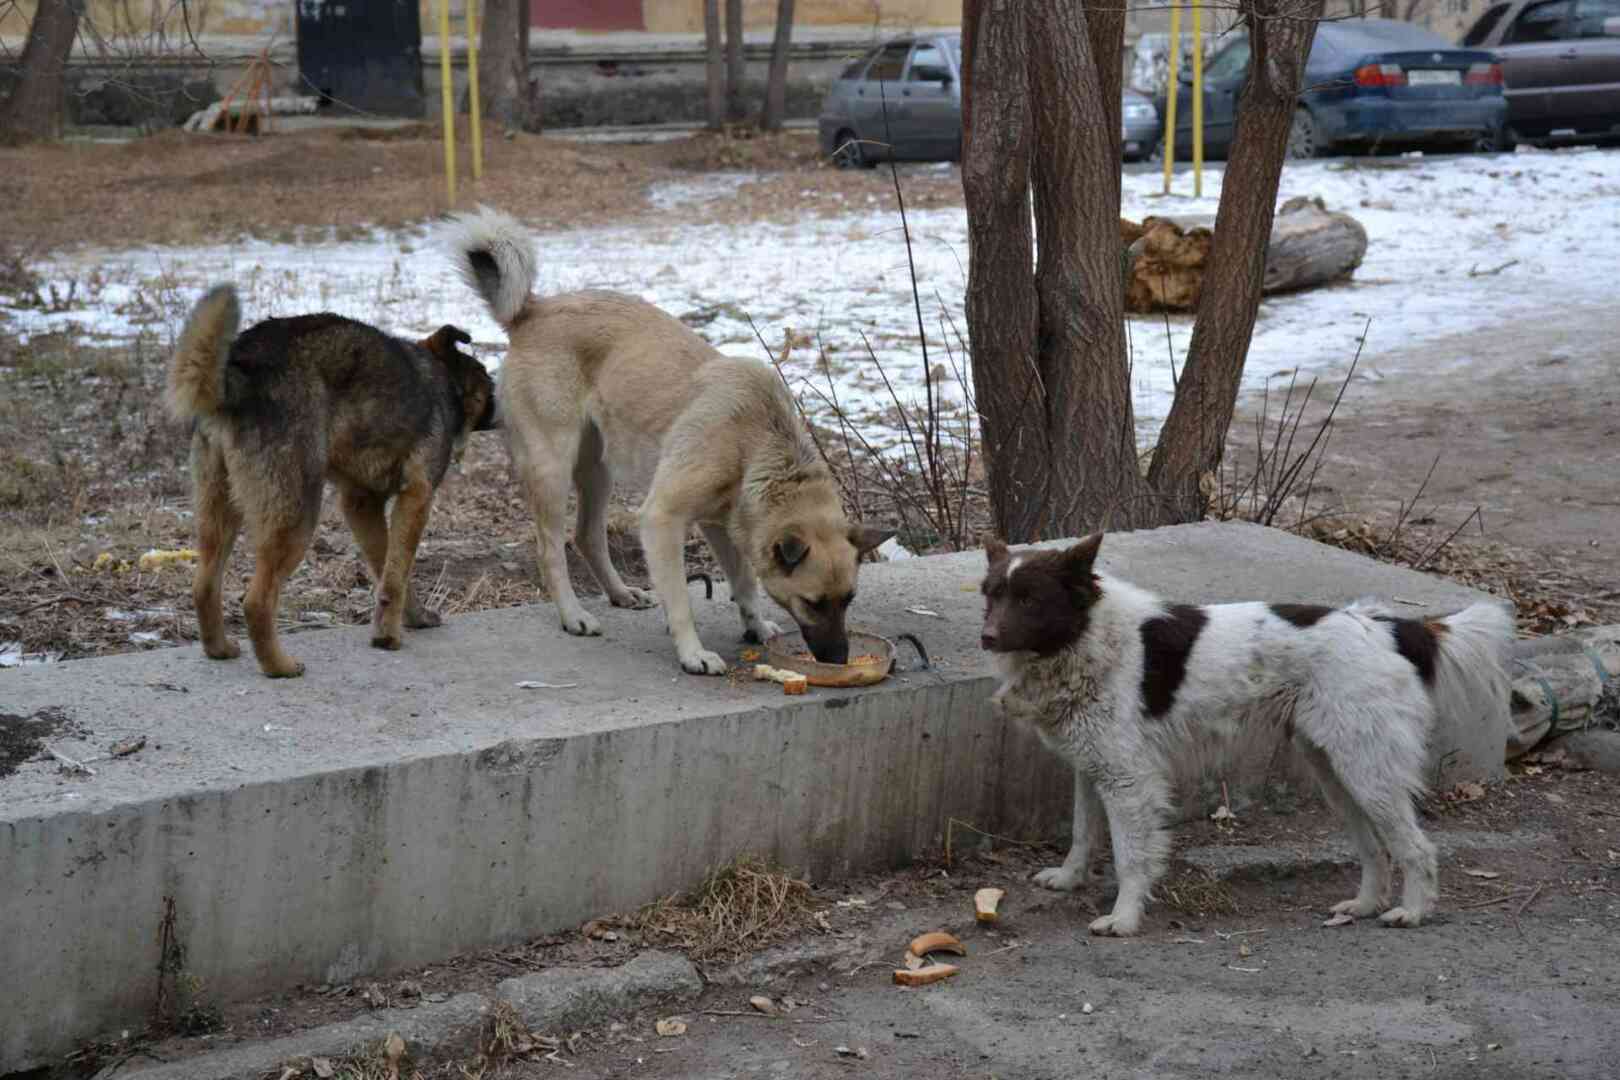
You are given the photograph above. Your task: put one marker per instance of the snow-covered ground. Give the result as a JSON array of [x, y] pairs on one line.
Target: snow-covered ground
[[1545, 224]]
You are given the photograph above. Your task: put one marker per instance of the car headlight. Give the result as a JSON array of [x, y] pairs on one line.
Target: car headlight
[[1140, 110]]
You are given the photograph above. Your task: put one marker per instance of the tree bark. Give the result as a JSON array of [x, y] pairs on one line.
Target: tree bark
[[1075, 77], [734, 61], [715, 68], [503, 66], [1002, 310], [1193, 439], [776, 82], [36, 107]]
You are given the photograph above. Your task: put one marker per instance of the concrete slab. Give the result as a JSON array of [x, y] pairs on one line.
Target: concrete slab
[[390, 809]]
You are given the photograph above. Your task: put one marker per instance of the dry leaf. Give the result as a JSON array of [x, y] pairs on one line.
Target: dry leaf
[[763, 1004], [323, 1067], [394, 1047], [1244, 950], [1487, 874], [670, 1027]]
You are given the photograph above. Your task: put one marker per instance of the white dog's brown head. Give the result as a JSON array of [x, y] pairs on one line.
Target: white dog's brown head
[[810, 571]]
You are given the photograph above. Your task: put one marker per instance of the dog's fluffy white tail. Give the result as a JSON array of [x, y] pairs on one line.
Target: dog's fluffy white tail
[[496, 256], [1470, 680], [197, 369]]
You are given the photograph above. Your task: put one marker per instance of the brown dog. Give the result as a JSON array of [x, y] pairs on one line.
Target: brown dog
[[292, 403]]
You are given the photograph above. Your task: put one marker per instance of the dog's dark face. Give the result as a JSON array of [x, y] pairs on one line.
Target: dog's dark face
[[470, 377], [1038, 601]]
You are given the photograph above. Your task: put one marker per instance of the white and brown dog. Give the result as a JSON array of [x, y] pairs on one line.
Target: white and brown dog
[[1135, 692]]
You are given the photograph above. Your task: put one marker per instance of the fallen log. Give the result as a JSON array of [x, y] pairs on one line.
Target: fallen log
[[1309, 246]]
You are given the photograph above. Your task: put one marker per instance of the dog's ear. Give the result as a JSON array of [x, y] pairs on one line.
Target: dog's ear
[[1079, 560], [867, 538], [443, 341], [457, 334], [789, 552], [994, 550]]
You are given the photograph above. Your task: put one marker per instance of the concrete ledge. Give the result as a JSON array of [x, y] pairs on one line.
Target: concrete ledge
[[390, 809]]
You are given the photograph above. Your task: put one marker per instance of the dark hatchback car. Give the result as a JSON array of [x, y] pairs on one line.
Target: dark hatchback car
[[1561, 62], [918, 81], [1369, 83]]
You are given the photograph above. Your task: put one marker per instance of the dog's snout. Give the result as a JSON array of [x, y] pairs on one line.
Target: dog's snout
[[834, 651], [988, 639]]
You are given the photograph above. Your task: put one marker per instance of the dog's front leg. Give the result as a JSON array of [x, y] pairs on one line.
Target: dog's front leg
[[410, 517], [1076, 868], [1141, 845], [663, 535]]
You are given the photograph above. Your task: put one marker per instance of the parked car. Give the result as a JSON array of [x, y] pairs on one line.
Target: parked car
[[1560, 61], [918, 81], [1369, 83]]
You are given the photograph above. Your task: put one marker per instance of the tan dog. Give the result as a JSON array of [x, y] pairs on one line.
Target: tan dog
[[292, 403], [598, 387]]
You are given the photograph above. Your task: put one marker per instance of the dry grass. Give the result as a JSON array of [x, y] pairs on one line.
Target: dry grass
[[738, 909], [1194, 892]]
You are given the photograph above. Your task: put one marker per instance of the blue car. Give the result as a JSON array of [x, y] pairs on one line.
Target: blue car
[[1369, 84]]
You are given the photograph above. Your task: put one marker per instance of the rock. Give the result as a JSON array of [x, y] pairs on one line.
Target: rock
[[1597, 748]]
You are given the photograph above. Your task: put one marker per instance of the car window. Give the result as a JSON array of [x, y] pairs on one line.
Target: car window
[[1538, 22], [890, 63], [928, 64], [1485, 24], [1230, 63], [1589, 17], [854, 70]]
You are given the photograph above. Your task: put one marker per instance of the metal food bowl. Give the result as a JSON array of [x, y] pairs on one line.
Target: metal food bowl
[[790, 653]]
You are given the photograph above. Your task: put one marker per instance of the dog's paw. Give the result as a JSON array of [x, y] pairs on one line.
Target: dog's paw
[[703, 662], [1399, 916], [1357, 908], [227, 650], [1117, 924], [757, 631], [635, 599], [1061, 878], [292, 669], [582, 624], [386, 641], [423, 619]]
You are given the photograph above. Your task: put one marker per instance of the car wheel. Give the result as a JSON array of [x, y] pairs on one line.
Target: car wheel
[[1302, 138], [847, 151]]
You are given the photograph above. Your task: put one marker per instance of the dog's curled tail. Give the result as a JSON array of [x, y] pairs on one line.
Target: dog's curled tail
[[1470, 680], [496, 256], [197, 369]]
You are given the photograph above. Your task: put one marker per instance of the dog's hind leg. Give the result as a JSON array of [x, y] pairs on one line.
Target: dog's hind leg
[[544, 471], [744, 586], [410, 517], [1376, 871], [1136, 814], [279, 548], [1076, 868], [218, 523], [593, 487], [1385, 798], [365, 512]]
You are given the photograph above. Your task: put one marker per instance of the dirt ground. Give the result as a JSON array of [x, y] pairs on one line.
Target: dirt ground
[[1515, 977]]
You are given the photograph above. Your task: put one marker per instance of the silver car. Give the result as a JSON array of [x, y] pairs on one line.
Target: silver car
[[903, 100]]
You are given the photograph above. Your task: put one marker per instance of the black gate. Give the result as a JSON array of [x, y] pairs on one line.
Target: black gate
[[362, 55]]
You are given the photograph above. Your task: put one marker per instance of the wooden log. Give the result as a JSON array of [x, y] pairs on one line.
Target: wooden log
[[1309, 246]]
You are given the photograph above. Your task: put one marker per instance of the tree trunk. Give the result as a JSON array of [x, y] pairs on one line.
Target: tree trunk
[[36, 106], [714, 64], [1193, 440], [503, 66], [776, 83], [1075, 76], [1002, 310], [734, 61]]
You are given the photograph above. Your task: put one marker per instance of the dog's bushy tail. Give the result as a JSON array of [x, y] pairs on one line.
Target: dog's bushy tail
[[496, 256], [1470, 680], [197, 369]]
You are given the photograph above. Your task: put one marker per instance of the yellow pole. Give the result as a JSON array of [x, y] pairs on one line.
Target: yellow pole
[[1174, 87], [448, 98], [1198, 98], [472, 90]]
